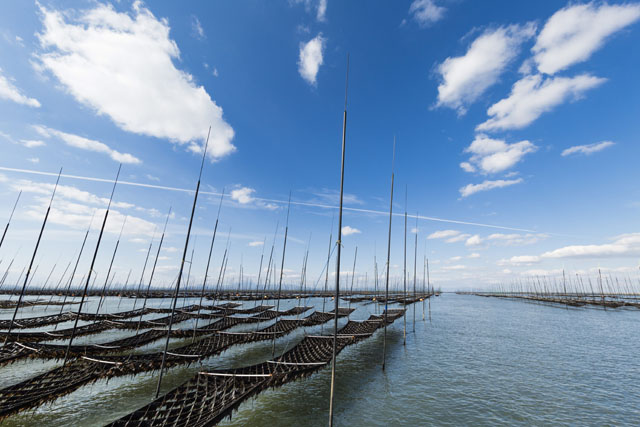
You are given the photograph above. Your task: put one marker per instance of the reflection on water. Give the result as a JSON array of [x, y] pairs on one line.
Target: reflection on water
[[481, 361]]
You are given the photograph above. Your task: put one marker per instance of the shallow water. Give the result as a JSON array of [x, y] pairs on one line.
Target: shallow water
[[480, 361]]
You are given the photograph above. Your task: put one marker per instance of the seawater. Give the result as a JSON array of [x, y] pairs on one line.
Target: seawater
[[479, 361]]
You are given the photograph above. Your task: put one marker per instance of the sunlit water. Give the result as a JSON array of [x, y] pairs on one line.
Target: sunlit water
[[480, 361]]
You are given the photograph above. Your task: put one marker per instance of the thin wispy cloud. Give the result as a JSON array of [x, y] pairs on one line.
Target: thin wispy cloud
[[587, 149], [487, 185], [88, 144], [10, 92]]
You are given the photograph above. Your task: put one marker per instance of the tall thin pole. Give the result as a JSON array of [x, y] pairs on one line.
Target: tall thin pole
[[404, 294], [415, 262], [326, 273], [10, 217], [353, 273], [33, 257], [386, 297], [113, 257], [206, 271], [184, 256], [75, 267], [429, 290], [93, 262], [339, 244], [284, 250]]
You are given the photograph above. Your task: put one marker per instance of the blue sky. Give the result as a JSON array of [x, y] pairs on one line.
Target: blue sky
[[515, 120]]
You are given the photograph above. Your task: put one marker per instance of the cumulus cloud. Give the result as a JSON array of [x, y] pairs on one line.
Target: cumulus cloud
[[348, 230], [494, 155], [426, 12], [465, 78], [474, 240], [121, 66], [521, 260], [9, 92], [311, 59], [242, 195], [486, 185], [88, 144], [574, 33], [587, 149], [256, 243], [534, 95]]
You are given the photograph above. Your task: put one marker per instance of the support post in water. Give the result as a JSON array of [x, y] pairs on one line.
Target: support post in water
[[386, 291], [33, 257], [93, 262], [184, 256], [339, 243], [284, 250]]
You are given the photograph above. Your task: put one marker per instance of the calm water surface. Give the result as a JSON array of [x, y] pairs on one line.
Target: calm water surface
[[480, 361]]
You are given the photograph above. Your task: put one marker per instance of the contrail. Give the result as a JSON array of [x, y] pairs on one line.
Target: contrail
[[282, 202]]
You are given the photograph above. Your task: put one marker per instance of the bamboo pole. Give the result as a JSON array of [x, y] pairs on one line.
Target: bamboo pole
[[338, 256], [93, 262], [184, 255], [33, 257]]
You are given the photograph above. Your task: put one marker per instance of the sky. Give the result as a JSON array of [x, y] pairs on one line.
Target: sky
[[515, 128]]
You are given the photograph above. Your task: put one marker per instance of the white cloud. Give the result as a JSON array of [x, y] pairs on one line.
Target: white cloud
[[321, 14], [574, 33], [522, 259], [474, 255], [454, 267], [470, 189], [310, 58], [455, 258], [256, 243], [426, 12], [196, 28], [458, 238], [474, 240], [33, 160], [467, 167], [495, 155], [32, 143], [465, 78], [623, 246], [347, 230], [242, 195], [443, 234], [515, 239], [88, 144], [532, 96], [587, 149], [74, 208], [626, 245], [121, 65], [9, 92]]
